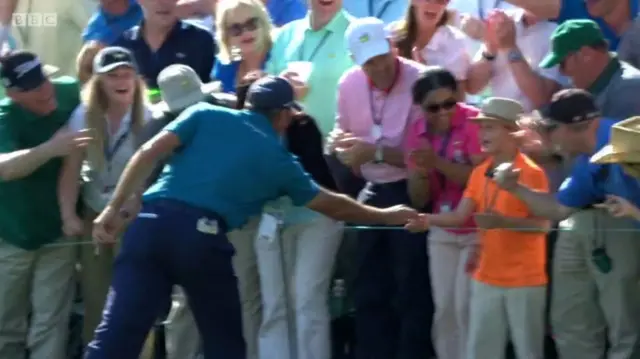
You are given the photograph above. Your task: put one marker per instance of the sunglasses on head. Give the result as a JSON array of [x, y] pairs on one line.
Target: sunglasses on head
[[237, 29], [436, 107]]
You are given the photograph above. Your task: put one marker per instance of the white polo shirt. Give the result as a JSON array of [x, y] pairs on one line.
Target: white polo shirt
[[447, 49], [533, 42], [99, 185]]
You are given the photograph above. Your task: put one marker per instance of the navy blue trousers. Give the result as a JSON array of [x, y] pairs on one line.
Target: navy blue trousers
[[165, 247], [392, 290]]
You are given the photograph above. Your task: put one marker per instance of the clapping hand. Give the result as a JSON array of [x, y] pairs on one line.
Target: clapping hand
[[66, 141], [619, 207], [505, 29], [354, 151], [473, 27], [335, 136], [424, 158]]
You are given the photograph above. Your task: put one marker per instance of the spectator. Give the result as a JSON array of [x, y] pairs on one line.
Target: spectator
[[165, 40], [613, 16], [441, 150], [514, 44], [111, 19], [580, 49], [55, 45], [385, 10], [114, 94], [318, 39], [84, 61], [371, 145], [595, 270], [629, 47], [37, 276], [283, 12], [424, 36], [5, 48], [189, 258], [509, 274], [302, 254], [244, 38]]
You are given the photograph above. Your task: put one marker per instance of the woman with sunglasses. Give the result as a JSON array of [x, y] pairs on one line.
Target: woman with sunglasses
[[425, 36], [114, 108], [441, 152], [243, 34]]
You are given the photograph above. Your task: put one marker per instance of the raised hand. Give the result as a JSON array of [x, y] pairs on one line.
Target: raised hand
[[66, 141], [472, 26]]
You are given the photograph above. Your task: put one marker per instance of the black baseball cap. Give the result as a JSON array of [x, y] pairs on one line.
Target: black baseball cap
[[272, 93], [570, 106], [112, 57], [23, 71]]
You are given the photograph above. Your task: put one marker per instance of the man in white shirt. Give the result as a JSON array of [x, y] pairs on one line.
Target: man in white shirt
[[515, 43]]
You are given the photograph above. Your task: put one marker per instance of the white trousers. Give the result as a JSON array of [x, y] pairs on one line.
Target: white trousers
[[40, 283], [302, 314], [451, 290], [498, 314]]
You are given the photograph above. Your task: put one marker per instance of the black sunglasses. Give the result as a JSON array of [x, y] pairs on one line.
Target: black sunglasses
[[436, 107], [238, 29]]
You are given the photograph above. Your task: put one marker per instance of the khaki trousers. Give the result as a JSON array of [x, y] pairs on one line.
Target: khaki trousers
[[183, 338], [586, 304], [451, 289], [499, 313], [39, 283]]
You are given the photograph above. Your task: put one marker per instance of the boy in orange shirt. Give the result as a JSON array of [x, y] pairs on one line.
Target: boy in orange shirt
[[509, 273]]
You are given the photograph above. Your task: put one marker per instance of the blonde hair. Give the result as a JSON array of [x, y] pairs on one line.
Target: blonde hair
[[84, 61], [96, 104], [224, 8]]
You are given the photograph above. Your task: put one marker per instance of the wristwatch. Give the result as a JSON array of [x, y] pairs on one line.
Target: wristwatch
[[514, 55], [378, 156], [487, 56]]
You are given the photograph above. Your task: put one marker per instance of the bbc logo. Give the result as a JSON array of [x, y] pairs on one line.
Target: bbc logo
[[35, 19]]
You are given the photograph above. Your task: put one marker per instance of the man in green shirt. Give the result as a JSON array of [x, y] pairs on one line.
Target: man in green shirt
[[36, 273]]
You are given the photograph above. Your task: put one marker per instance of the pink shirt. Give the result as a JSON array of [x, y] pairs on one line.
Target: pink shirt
[[462, 143], [359, 104]]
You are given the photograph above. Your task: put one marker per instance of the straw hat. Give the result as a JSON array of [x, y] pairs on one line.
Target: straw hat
[[624, 143], [500, 109]]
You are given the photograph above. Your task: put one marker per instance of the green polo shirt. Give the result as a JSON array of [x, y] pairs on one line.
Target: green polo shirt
[[29, 213], [327, 50]]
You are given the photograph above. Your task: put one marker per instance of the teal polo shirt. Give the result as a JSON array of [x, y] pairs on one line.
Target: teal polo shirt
[[327, 50]]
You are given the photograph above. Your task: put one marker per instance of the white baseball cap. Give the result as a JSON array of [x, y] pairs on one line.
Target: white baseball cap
[[181, 87], [367, 38]]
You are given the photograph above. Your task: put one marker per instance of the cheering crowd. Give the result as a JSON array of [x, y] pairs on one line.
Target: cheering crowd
[[214, 165]]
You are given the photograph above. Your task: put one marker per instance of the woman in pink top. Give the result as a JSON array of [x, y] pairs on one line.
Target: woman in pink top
[[441, 151]]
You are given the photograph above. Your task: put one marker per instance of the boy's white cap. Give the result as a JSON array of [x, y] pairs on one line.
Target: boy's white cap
[[367, 38]]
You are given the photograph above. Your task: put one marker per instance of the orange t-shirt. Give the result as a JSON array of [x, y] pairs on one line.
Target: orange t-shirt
[[509, 258]]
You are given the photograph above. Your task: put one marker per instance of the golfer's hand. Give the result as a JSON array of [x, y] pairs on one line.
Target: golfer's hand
[[399, 215], [418, 224], [506, 176]]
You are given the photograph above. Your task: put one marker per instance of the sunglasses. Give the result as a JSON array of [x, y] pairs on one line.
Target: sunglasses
[[436, 107], [238, 29]]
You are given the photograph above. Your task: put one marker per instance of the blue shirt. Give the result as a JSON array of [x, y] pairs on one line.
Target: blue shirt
[[283, 12], [385, 10], [227, 74], [186, 44], [577, 9], [106, 28], [589, 183], [230, 162]]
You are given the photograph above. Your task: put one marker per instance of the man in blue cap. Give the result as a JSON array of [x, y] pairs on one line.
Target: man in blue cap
[[179, 237]]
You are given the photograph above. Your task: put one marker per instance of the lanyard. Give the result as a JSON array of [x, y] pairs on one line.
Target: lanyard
[[110, 151], [481, 12], [442, 153], [382, 10], [324, 39], [489, 202], [377, 117]]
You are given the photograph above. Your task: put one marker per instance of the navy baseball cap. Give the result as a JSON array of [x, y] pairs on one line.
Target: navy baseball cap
[[570, 106], [272, 93], [23, 71], [112, 57]]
